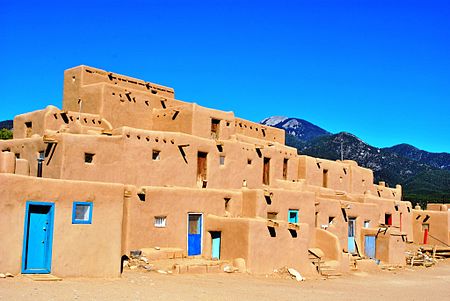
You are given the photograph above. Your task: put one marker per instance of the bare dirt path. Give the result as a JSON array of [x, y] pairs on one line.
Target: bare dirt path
[[406, 284]]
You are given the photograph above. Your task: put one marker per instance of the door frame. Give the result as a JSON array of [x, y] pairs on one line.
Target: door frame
[[49, 245], [201, 232]]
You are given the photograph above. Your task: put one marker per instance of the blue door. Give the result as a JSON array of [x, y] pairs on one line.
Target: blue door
[[215, 244], [369, 246], [194, 234], [38, 235], [351, 235]]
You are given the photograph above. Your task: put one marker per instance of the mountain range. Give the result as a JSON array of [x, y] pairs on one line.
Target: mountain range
[[6, 124], [425, 176]]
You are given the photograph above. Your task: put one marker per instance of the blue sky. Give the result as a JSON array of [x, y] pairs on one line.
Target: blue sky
[[378, 69]]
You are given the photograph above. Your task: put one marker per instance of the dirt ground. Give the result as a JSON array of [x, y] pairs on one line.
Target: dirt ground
[[419, 283]]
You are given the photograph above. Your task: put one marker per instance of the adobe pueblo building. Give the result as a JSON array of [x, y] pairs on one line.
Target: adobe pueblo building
[[125, 166]]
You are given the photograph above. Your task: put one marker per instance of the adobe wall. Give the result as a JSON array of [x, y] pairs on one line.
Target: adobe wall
[[282, 248], [26, 154], [174, 203], [122, 100], [341, 212], [176, 164], [390, 248], [258, 203], [438, 223], [78, 250]]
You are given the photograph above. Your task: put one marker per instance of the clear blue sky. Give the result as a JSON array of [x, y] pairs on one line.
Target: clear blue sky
[[379, 69]]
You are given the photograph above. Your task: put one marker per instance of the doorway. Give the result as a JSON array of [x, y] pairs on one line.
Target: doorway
[[194, 234], [38, 236], [351, 235], [202, 166], [369, 246], [215, 244]]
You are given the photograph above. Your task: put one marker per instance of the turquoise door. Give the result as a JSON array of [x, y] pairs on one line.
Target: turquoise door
[[194, 234], [369, 246], [351, 235], [38, 235], [215, 244]]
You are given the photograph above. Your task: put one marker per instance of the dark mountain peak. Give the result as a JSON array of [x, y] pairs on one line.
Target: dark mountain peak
[[301, 129], [435, 160], [6, 124]]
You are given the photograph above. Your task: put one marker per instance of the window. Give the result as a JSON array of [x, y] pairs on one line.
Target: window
[[222, 160], [88, 157], [249, 161], [28, 129], [41, 158], [325, 178], [160, 221], [272, 215], [266, 171], [366, 224], [215, 126], [201, 167], [285, 168], [156, 155], [82, 213], [388, 219], [293, 216], [331, 220]]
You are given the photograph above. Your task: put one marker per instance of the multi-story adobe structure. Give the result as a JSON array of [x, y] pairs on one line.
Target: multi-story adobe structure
[[124, 165]]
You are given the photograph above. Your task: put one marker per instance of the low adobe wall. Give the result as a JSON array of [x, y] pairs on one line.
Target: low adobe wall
[[78, 250]]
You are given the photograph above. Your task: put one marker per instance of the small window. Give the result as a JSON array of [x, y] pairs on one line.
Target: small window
[[331, 220], [388, 219], [285, 168], [222, 160], [88, 157], [160, 221], [227, 203], [293, 216], [156, 155], [82, 213], [325, 178], [28, 129], [366, 224], [249, 161], [272, 215], [215, 127]]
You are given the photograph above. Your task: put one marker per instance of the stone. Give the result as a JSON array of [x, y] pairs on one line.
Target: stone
[[9, 275], [239, 263], [144, 259], [228, 269], [157, 248], [133, 267], [135, 253], [2, 275], [161, 272], [295, 274]]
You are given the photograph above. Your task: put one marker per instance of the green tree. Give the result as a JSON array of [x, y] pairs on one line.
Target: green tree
[[6, 134]]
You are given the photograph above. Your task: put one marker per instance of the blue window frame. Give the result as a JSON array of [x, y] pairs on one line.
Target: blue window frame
[[293, 216], [82, 212]]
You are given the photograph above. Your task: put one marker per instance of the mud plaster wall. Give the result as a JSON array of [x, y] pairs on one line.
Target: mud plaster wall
[[438, 222], [267, 253], [78, 250], [339, 226], [175, 204]]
